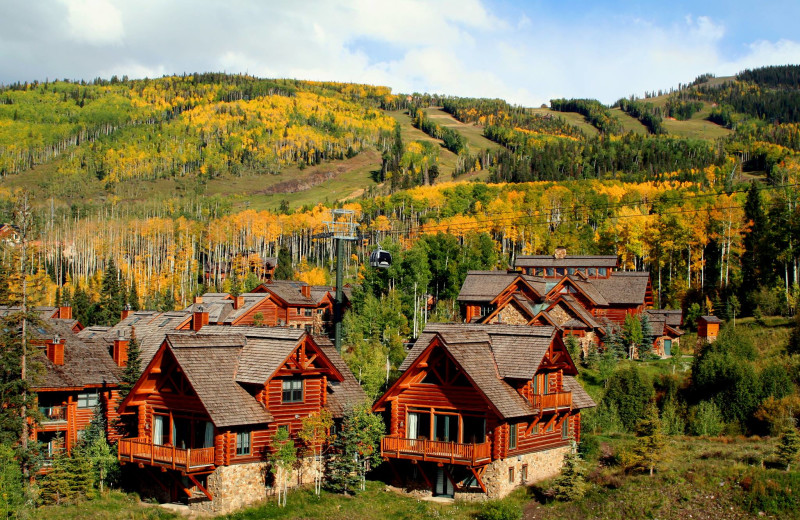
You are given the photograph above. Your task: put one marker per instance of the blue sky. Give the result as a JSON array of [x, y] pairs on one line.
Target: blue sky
[[526, 52]]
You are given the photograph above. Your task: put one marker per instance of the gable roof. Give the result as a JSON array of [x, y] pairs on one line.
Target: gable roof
[[287, 291], [151, 329], [623, 288], [209, 362], [487, 285], [341, 394], [220, 308], [85, 364]]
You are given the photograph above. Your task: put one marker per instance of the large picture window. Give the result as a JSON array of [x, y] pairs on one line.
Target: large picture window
[[292, 391], [87, 400]]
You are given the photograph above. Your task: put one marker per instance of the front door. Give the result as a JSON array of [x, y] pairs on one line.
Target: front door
[[667, 347], [445, 427], [444, 488]]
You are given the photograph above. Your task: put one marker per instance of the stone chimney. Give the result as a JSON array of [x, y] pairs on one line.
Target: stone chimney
[[120, 350], [305, 290], [65, 313], [125, 312], [560, 252], [55, 350], [199, 318]]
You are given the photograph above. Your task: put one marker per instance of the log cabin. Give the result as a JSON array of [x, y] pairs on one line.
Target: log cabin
[[665, 330], [76, 379], [500, 297], [481, 409], [209, 403]]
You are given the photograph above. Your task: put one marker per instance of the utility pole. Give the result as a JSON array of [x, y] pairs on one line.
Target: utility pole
[[342, 226]]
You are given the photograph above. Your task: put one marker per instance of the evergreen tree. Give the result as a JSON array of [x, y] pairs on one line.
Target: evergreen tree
[[133, 367], [646, 345], [632, 334], [570, 484], [70, 480], [112, 297], [14, 391], [752, 257], [573, 347], [96, 449], [284, 270], [649, 448], [82, 307], [12, 492], [133, 297], [789, 447]]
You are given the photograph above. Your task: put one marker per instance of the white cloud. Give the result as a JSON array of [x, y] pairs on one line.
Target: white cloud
[[96, 22]]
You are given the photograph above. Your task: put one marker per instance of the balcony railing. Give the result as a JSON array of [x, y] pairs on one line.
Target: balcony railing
[[53, 414], [144, 452], [440, 451], [557, 401]]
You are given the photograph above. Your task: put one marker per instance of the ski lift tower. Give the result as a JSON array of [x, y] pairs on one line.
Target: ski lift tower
[[341, 227]]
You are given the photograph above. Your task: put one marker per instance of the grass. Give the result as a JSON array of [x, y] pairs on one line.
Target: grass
[[629, 123], [571, 118], [111, 506]]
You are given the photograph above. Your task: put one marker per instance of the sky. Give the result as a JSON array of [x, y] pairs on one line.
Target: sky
[[526, 52]]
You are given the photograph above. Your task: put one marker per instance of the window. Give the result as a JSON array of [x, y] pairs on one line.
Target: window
[[550, 425], [87, 400], [309, 312], [292, 391], [565, 428], [601, 271], [512, 437], [550, 271], [524, 473], [570, 270], [592, 271], [243, 443], [510, 475], [298, 311], [545, 384]]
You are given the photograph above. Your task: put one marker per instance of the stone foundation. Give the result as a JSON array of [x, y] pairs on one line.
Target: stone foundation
[[541, 465], [240, 485]]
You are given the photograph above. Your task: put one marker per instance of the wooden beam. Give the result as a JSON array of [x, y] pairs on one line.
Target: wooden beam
[[199, 485], [532, 424], [424, 476], [478, 478]]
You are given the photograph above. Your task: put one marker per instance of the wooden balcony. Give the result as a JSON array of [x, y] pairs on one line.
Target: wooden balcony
[[553, 402], [437, 451], [54, 418], [142, 451]]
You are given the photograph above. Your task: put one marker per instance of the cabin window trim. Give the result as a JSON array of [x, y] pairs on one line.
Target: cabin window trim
[[88, 399], [244, 443], [512, 436], [524, 473], [565, 428], [292, 391], [511, 475]]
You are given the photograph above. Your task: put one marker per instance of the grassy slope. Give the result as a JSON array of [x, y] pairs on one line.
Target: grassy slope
[[571, 118]]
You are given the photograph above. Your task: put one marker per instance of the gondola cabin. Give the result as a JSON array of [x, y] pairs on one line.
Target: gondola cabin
[[380, 258]]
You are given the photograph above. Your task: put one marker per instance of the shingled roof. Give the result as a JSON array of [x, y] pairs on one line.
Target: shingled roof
[[486, 285], [580, 399], [85, 364], [347, 393], [623, 288], [209, 362], [490, 354], [151, 328], [289, 292], [576, 261]]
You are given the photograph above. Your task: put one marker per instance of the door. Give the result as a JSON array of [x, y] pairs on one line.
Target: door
[[444, 488], [667, 347], [446, 427]]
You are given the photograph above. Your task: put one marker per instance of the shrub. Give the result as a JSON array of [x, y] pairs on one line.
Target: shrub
[[589, 446], [630, 392], [12, 496], [706, 419], [570, 484], [500, 510]]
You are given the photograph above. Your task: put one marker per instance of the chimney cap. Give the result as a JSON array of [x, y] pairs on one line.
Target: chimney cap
[[200, 308], [56, 338]]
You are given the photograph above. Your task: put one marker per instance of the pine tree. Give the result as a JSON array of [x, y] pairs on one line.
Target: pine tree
[[752, 258], [646, 344], [133, 297], [12, 492], [789, 447], [284, 270], [112, 298], [133, 367], [570, 484], [649, 448], [356, 449], [82, 307], [96, 449]]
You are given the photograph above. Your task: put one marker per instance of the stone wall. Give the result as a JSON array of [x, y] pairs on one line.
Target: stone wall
[[510, 315], [240, 485], [541, 465]]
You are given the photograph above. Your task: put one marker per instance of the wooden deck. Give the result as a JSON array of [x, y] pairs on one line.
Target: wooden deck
[[437, 451], [142, 451]]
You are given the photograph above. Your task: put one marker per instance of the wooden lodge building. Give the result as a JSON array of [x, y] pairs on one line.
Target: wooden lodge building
[[585, 296], [209, 403], [480, 409]]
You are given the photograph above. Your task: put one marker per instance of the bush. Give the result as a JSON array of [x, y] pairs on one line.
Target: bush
[[630, 392], [589, 446], [500, 510], [706, 419], [12, 495]]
